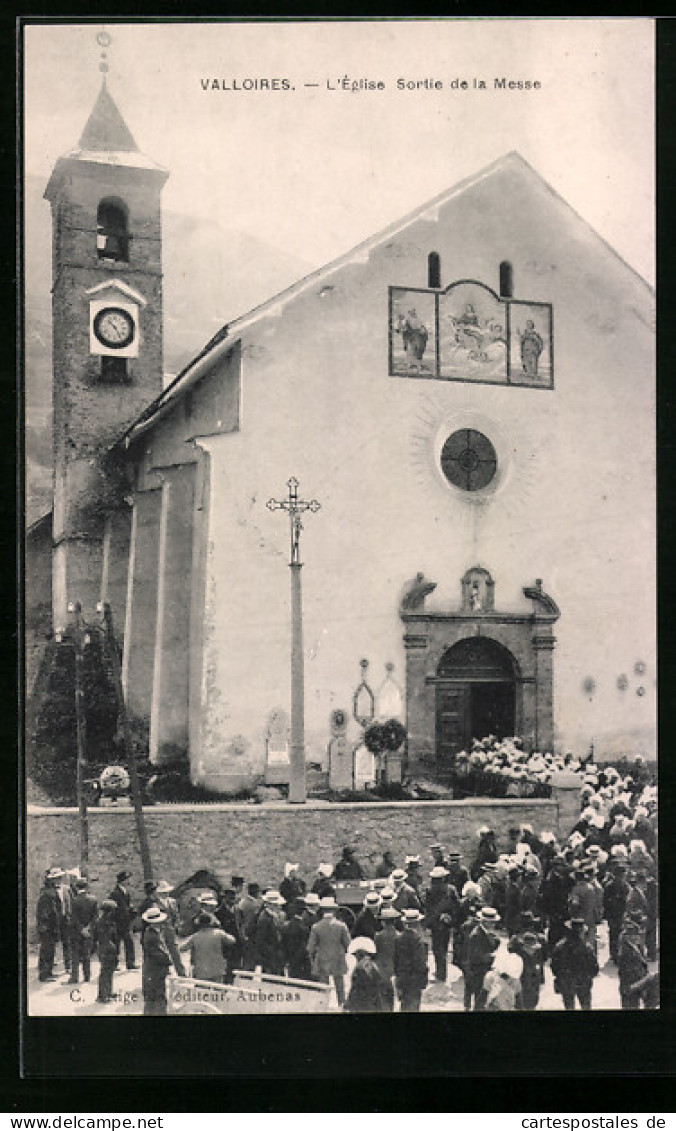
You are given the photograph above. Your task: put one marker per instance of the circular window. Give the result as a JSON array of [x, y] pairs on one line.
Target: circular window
[[468, 460]]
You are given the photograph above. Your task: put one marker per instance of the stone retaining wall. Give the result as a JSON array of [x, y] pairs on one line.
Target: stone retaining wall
[[256, 840]]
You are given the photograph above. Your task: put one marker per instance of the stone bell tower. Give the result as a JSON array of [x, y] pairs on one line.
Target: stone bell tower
[[107, 333]]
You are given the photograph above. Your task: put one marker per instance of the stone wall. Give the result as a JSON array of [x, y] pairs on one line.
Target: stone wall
[[255, 841]]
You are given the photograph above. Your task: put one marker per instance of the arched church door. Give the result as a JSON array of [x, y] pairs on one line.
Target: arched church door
[[476, 696]]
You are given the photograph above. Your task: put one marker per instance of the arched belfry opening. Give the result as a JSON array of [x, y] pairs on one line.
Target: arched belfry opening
[[112, 231], [474, 670], [475, 695]]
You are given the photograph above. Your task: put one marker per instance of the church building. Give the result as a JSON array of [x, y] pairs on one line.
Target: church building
[[467, 401]]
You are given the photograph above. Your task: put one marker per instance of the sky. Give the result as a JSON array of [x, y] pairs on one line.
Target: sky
[[314, 170]]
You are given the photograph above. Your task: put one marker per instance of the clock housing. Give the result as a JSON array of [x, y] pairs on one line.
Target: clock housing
[[114, 329]]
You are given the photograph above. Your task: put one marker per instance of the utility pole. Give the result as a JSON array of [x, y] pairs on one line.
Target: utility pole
[[114, 660], [295, 507]]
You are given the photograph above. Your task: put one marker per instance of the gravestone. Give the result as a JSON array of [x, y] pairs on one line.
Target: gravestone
[[277, 765], [364, 768]]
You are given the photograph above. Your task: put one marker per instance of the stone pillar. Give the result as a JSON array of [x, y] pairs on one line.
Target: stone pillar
[[526, 722], [115, 566], [169, 710], [420, 713], [566, 794], [141, 611], [543, 646]]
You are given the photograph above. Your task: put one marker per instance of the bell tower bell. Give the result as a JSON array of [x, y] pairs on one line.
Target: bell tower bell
[[107, 332]]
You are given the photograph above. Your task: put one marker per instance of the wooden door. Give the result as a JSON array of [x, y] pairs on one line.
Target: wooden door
[[453, 719]]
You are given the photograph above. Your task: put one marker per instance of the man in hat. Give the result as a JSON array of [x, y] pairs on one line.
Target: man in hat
[[124, 917], [615, 892], [107, 946], [166, 903], [312, 913], [438, 858], [482, 943], [226, 916], [386, 940], [322, 885], [65, 889], [413, 875], [348, 867], [632, 960], [327, 947], [237, 884], [586, 901], [410, 961], [458, 874], [441, 914], [468, 910], [47, 916], [247, 910], [486, 853], [292, 887], [531, 947], [156, 963], [295, 936], [556, 888], [83, 913], [149, 900], [386, 866], [574, 966], [642, 901], [488, 883], [405, 898], [367, 923], [529, 888], [267, 944], [208, 949], [368, 993]]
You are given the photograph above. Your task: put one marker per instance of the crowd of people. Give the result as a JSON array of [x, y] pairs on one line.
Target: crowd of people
[[498, 920], [503, 766]]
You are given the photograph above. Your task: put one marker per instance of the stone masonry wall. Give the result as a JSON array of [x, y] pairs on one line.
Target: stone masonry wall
[[256, 841]]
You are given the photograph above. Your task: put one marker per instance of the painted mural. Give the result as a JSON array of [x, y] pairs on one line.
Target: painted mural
[[413, 337], [469, 333], [530, 344], [472, 334]]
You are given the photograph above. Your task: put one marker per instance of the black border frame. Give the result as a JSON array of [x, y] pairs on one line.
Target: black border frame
[[618, 1061]]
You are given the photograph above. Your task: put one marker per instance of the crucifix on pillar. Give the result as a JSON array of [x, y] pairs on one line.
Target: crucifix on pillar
[[295, 507]]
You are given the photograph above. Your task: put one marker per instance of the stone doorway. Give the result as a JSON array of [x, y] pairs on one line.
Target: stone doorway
[[475, 697], [475, 670]]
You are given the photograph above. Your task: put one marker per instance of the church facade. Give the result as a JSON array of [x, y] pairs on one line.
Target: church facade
[[468, 395]]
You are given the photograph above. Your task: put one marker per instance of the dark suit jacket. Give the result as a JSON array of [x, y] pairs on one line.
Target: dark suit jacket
[[83, 912], [268, 944], [47, 913], [124, 913], [410, 960]]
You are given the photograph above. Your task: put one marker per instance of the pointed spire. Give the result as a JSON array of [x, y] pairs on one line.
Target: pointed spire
[[106, 130]]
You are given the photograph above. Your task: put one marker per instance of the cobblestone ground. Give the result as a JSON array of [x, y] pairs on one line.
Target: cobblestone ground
[[60, 999]]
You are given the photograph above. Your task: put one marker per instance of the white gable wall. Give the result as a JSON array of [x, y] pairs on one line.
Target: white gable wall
[[576, 509]]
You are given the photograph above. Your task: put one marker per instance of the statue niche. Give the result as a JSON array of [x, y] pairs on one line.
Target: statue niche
[[478, 591]]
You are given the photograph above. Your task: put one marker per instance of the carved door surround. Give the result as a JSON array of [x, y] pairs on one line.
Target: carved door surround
[[527, 637]]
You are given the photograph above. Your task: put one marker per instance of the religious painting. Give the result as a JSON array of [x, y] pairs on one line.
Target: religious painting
[[472, 334], [530, 344], [413, 333]]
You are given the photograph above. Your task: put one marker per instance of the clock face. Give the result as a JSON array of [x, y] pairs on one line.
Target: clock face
[[114, 327]]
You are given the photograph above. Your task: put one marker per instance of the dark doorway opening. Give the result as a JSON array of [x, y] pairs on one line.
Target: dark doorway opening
[[476, 696], [492, 710]]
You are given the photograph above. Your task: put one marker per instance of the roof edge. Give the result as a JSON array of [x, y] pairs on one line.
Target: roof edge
[[222, 341]]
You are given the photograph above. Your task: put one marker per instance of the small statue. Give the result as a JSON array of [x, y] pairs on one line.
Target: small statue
[[475, 597]]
